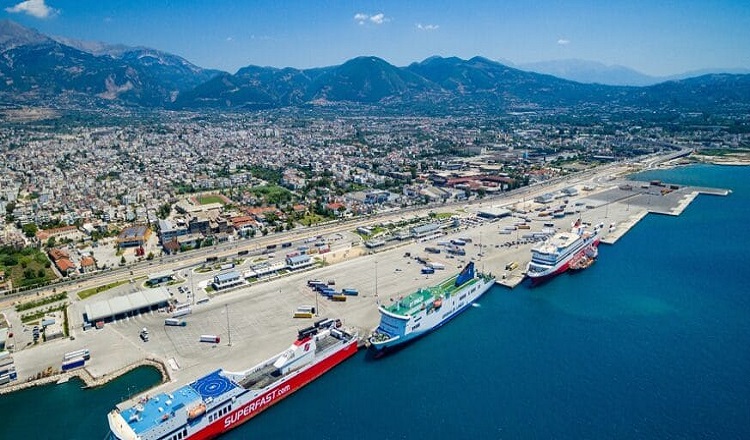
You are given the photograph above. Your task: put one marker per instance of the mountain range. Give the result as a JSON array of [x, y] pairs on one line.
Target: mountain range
[[38, 70], [584, 71]]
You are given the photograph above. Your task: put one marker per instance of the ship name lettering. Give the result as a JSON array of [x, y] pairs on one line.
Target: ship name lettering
[[255, 405]]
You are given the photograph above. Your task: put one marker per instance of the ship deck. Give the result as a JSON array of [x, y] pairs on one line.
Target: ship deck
[[269, 374], [150, 411], [413, 302]]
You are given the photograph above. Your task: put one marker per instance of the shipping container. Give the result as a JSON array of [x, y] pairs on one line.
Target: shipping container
[[304, 312], [175, 322], [338, 297], [350, 292], [84, 353], [210, 338], [71, 364], [182, 312]]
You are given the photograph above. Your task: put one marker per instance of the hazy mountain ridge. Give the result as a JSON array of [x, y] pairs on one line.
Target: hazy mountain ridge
[[592, 72], [37, 70]]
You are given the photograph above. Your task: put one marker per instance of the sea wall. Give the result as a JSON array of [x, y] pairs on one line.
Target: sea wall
[[89, 380]]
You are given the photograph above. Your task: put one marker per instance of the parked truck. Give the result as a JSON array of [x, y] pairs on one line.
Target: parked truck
[[210, 338], [175, 322]]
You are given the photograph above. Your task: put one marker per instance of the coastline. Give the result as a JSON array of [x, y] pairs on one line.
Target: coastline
[[87, 378], [609, 205]]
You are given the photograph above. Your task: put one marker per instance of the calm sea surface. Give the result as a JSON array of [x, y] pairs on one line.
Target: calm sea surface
[[652, 341]]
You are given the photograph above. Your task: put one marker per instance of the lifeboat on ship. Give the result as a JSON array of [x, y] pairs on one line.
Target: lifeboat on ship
[[196, 411]]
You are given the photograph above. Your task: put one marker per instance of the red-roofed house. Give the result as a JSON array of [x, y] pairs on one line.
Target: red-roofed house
[[65, 266], [88, 264]]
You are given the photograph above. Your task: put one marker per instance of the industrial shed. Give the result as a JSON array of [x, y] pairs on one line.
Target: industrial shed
[[128, 305]]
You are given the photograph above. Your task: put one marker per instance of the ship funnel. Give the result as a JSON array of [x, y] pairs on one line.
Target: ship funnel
[[467, 274]]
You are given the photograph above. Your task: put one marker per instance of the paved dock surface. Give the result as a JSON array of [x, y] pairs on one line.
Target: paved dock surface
[[256, 322]]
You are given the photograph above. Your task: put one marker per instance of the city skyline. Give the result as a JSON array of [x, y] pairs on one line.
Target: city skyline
[[656, 40]]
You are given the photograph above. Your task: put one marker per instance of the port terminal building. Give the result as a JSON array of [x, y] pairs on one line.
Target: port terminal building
[[299, 261], [227, 279], [123, 306], [155, 279], [493, 212]]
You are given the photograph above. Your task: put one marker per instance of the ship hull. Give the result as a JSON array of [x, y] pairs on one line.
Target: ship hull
[[274, 395], [538, 277], [379, 348], [223, 402]]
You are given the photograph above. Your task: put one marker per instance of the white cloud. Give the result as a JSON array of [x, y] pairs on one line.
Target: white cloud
[[35, 8], [378, 18], [230, 38], [563, 42], [427, 27]]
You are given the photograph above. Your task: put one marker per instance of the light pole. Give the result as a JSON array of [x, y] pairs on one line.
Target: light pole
[[229, 329], [376, 278]]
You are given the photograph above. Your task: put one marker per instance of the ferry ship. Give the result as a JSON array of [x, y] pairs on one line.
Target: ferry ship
[[427, 309], [554, 256], [222, 400], [586, 260]]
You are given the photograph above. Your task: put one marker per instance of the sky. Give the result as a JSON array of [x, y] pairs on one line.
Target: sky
[[654, 37]]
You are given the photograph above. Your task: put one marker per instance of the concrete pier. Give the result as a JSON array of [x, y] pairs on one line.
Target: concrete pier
[[260, 316]]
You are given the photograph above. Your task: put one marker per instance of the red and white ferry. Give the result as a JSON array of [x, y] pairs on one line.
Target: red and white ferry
[[555, 255], [222, 400]]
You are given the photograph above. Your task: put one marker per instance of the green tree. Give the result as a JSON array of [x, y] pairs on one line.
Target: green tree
[[164, 211], [29, 229], [51, 242], [150, 256], [122, 260]]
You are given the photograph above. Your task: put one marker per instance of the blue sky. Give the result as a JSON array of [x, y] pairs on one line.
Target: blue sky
[[657, 38]]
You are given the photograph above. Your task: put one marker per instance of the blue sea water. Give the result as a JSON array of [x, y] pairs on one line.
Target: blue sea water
[[652, 341]]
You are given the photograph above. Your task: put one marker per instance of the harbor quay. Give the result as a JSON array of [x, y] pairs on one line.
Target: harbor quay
[[253, 322]]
